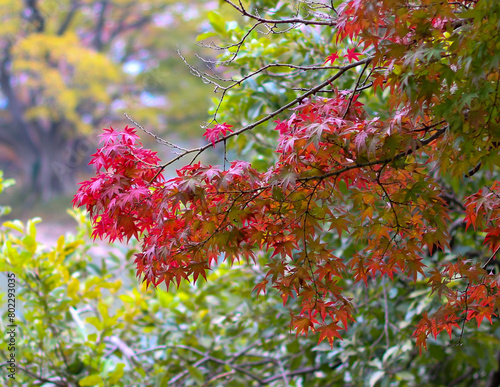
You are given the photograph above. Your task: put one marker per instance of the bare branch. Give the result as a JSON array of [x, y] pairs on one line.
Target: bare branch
[[238, 45], [295, 20], [491, 258], [211, 79], [208, 358], [273, 114], [158, 139], [355, 89], [300, 371], [332, 90]]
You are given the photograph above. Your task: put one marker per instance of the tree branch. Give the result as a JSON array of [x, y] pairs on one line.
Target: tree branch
[[355, 89], [294, 20], [41, 379], [75, 5], [300, 371], [271, 115], [36, 17], [99, 29], [377, 162]]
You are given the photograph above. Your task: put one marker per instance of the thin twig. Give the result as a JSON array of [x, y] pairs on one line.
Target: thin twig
[[491, 258], [273, 114], [300, 371], [158, 139], [295, 20], [35, 376], [355, 89]]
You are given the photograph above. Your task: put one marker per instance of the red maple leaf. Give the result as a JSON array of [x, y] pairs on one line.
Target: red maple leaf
[[351, 55], [109, 136], [303, 324], [331, 58], [213, 134], [329, 332], [261, 287]]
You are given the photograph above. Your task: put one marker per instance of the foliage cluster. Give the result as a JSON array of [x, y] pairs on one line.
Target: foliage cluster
[[383, 182], [82, 320]]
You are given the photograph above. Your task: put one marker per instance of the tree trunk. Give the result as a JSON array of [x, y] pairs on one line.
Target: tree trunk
[[45, 163]]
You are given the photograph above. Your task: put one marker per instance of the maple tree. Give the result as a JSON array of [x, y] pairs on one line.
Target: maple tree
[[395, 179]]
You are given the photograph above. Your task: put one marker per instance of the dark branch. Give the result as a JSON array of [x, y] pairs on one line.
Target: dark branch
[[300, 371], [295, 20], [99, 29], [35, 17], [273, 114], [75, 5]]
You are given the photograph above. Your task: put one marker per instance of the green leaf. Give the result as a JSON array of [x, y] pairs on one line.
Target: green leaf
[[29, 244], [31, 227], [217, 22], [15, 225], [205, 35], [91, 380], [376, 376], [117, 374], [196, 374]]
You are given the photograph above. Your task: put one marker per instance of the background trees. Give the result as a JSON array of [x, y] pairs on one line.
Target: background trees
[[68, 67]]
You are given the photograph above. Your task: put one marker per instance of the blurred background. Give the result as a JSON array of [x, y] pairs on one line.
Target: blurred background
[[69, 68]]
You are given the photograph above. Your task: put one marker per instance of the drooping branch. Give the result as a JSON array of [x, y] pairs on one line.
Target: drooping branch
[[325, 141], [357, 165]]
